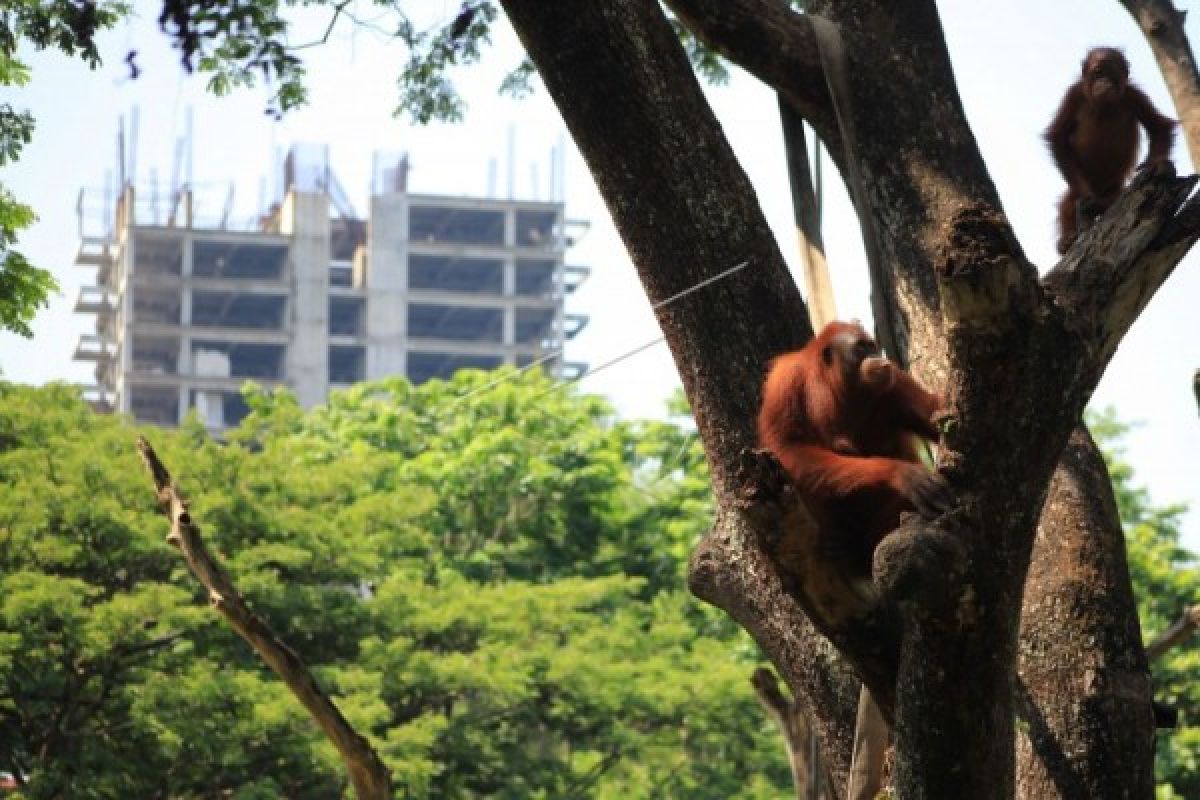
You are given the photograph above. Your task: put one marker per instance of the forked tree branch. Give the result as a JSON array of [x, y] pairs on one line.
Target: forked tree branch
[[370, 777]]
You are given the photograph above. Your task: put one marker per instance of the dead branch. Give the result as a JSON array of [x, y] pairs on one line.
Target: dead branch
[[1114, 268], [370, 777]]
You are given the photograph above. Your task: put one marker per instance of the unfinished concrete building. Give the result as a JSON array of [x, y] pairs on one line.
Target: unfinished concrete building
[[313, 297]]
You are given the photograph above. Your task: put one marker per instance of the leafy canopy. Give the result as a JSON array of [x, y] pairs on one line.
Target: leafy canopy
[[487, 578]]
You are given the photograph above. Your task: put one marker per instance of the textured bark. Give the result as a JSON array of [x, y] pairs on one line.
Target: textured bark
[[1084, 687], [931, 209], [937, 646], [368, 774], [1162, 25], [735, 569]]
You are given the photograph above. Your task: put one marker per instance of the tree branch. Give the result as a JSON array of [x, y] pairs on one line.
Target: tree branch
[[1082, 688], [766, 687], [1196, 387], [338, 8], [944, 635], [368, 774], [755, 565], [1180, 630], [1114, 268], [1162, 25], [773, 42], [794, 728]]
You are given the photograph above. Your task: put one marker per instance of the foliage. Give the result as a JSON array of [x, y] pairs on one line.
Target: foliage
[[486, 575], [237, 42], [70, 27], [1166, 579], [24, 288]]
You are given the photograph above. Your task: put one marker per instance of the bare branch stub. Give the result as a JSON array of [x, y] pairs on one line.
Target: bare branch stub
[[982, 271], [368, 774]]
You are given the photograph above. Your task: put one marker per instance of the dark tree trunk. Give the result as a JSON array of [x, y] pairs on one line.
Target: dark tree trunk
[[717, 23], [1083, 687]]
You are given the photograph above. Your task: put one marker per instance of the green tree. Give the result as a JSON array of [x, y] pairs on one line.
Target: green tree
[[70, 27], [115, 680], [483, 650]]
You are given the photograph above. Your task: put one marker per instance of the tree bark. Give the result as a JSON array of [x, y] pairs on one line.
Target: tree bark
[[774, 43], [1180, 631], [1162, 25], [1053, 708], [1083, 687]]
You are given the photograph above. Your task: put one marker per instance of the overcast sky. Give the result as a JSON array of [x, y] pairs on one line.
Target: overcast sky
[[1013, 62]]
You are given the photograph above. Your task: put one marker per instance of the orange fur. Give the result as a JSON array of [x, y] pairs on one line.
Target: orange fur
[[841, 421]]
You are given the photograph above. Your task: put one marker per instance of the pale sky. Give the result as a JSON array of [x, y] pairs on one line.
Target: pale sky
[[1013, 62]]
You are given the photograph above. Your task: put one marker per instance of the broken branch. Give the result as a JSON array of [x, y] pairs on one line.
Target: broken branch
[[370, 777]]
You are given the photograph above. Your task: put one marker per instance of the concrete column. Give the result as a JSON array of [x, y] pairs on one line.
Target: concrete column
[[125, 318], [185, 314], [510, 294], [305, 217], [510, 227], [387, 286]]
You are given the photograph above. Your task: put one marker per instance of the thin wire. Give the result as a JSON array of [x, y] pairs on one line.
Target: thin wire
[[700, 285], [605, 365], [555, 353]]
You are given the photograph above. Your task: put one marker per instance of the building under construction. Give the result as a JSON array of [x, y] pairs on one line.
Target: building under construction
[[311, 296]]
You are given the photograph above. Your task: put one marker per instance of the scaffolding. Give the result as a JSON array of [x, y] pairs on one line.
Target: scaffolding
[[191, 301]]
